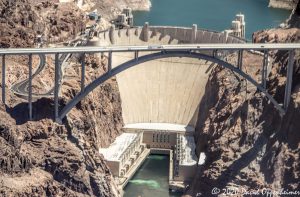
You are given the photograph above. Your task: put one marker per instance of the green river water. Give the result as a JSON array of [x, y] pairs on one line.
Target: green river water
[[151, 180]]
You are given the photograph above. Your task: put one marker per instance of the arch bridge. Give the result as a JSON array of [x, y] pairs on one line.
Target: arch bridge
[[197, 51]]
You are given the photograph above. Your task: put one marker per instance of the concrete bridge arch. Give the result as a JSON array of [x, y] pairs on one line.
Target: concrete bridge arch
[[188, 120]]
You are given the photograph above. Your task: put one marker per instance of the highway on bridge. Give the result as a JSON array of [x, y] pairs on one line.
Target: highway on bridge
[[179, 47]]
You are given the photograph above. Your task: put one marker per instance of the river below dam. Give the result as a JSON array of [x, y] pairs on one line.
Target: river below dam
[[212, 14], [151, 180]]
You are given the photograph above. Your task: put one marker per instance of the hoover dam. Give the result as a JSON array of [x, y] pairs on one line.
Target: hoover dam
[[161, 87], [160, 98], [149, 110]]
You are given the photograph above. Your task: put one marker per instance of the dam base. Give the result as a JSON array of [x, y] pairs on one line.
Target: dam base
[[126, 155]]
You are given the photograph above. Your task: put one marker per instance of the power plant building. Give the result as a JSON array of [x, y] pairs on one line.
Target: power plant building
[[129, 148]]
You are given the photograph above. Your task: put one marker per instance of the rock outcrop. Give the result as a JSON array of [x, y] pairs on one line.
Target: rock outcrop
[[21, 21], [283, 4], [109, 9], [294, 19], [41, 158]]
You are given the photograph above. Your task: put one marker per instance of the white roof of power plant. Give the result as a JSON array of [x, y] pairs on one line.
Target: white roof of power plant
[[187, 149], [117, 148]]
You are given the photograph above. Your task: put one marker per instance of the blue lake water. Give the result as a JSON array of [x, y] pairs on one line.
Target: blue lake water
[[212, 14]]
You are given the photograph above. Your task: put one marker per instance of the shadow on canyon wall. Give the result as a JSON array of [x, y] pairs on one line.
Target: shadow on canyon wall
[[41, 109]]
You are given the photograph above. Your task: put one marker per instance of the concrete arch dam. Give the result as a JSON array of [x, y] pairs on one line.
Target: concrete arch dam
[[166, 90]]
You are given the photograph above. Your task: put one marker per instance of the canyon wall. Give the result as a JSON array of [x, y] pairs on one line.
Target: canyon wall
[[43, 158], [40, 157], [249, 146]]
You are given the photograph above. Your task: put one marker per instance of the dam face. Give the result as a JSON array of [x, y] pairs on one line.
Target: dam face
[[166, 90], [162, 91]]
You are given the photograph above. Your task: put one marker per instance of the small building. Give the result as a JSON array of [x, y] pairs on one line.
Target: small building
[[94, 16], [125, 19]]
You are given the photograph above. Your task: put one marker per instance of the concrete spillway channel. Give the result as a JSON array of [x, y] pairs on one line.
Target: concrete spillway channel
[[160, 98]]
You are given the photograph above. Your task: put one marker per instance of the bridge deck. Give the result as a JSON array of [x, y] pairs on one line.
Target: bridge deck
[[129, 48]]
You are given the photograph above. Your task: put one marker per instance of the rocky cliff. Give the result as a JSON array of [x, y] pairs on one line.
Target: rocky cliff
[[109, 9], [249, 146], [283, 4], [294, 19], [21, 21], [39, 157]]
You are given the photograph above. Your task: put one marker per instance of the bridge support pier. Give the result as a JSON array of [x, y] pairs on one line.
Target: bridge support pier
[[56, 86], [82, 73], [264, 72], [214, 53], [240, 59], [3, 79], [289, 79], [109, 61], [136, 55], [30, 87]]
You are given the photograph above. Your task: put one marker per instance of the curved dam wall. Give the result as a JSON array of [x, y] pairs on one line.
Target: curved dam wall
[[166, 90]]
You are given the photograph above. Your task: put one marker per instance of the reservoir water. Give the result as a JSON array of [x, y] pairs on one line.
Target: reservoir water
[[151, 180], [212, 14]]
